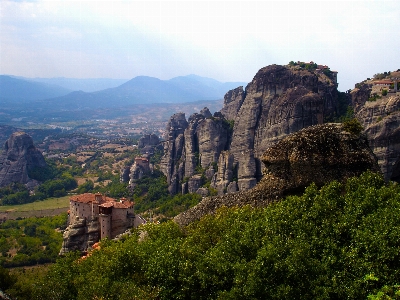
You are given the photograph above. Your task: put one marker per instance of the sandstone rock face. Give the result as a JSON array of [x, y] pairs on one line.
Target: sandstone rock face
[[225, 172], [80, 236], [148, 143], [124, 174], [18, 158], [192, 147], [278, 101], [148, 140], [381, 122], [318, 154], [213, 137], [171, 163], [233, 100], [194, 183]]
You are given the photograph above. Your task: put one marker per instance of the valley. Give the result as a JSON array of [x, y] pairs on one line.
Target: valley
[[206, 166]]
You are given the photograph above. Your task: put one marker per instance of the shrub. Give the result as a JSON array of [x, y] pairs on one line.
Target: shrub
[[353, 126]]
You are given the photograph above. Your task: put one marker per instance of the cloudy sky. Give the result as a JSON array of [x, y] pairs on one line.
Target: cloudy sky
[[228, 40]]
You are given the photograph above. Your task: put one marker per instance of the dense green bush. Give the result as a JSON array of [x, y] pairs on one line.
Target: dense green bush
[[151, 193], [338, 242], [35, 240], [352, 126]]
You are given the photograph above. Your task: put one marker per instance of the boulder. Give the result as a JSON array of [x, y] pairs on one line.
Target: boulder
[[18, 158]]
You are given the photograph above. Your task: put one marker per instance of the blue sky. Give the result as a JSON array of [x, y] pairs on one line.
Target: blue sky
[[228, 40]]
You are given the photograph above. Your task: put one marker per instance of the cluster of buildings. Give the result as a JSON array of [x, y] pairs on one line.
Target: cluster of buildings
[[390, 84], [114, 216]]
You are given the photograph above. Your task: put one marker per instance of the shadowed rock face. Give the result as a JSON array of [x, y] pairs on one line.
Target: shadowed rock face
[[18, 158], [80, 236], [278, 101], [318, 154]]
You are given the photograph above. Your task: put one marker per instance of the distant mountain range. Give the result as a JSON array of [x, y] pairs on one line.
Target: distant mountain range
[[21, 90], [80, 84], [139, 90]]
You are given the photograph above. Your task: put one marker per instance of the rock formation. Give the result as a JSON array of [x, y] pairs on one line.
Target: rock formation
[[18, 158], [148, 143], [80, 235], [380, 117], [278, 101], [318, 154], [140, 167]]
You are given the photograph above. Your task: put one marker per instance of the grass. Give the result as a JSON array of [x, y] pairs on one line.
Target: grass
[[48, 207]]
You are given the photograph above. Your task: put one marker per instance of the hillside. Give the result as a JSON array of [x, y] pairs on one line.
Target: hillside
[[14, 90], [337, 242]]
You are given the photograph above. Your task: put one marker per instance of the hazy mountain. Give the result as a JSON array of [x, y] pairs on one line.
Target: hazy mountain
[[207, 87], [12, 89], [81, 84], [145, 90]]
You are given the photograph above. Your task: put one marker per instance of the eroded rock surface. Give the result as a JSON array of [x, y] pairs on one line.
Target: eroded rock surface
[[18, 158], [80, 236], [278, 101], [381, 121], [318, 154]]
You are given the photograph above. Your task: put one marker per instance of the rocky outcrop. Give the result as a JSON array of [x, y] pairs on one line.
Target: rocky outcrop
[[233, 100], [380, 117], [192, 147], [318, 154], [278, 101], [80, 235], [225, 172], [18, 159], [171, 164], [148, 143]]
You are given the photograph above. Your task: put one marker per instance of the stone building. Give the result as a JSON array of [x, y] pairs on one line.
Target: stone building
[[93, 217], [114, 216]]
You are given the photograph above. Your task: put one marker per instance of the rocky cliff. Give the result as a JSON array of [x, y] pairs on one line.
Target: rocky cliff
[[80, 235], [318, 154], [18, 158], [224, 150], [380, 117]]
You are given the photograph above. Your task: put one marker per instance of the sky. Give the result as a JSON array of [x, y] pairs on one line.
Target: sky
[[227, 40]]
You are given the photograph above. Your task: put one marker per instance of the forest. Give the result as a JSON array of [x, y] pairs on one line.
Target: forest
[[341, 241]]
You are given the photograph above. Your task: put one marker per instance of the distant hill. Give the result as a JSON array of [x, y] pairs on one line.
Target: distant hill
[[145, 90], [14, 89], [81, 84]]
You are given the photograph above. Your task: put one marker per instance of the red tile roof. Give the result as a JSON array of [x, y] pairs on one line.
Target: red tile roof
[[105, 201], [383, 82], [125, 204]]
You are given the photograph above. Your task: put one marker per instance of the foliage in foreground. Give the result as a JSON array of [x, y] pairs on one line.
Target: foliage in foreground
[[30, 241], [338, 242]]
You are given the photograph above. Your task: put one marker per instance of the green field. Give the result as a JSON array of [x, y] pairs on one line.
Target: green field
[[48, 207]]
